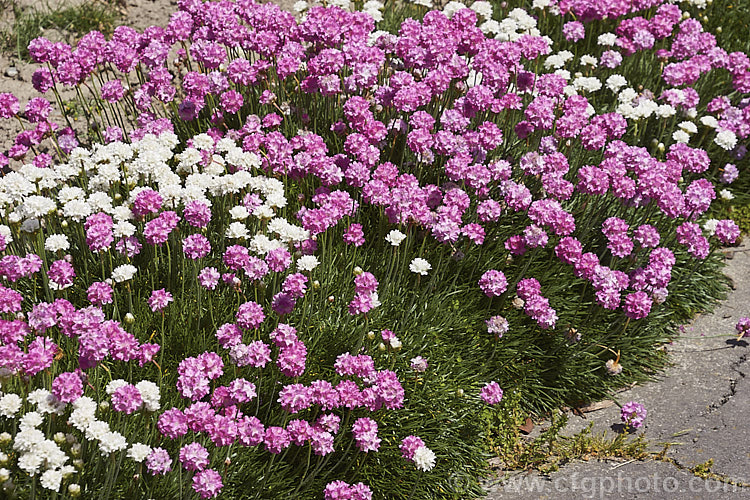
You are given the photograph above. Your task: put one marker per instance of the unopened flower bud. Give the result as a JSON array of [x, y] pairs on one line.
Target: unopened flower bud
[[460, 393], [357, 271], [129, 319], [331, 298], [59, 438], [371, 335], [74, 490], [75, 450], [104, 406], [64, 224], [381, 347], [316, 285], [5, 438], [4, 475], [78, 464], [3, 458]]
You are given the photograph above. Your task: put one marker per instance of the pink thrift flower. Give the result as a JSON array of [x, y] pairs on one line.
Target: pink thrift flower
[[409, 445], [209, 277], [493, 283], [67, 387], [159, 299], [207, 483], [196, 246], [743, 327], [278, 259], [365, 432], [127, 399], [250, 315], [633, 414], [194, 456], [99, 293], [491, 393], [158, 461], [354, 235]]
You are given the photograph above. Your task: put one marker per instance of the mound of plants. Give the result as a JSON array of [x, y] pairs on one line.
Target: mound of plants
[[324, 256]]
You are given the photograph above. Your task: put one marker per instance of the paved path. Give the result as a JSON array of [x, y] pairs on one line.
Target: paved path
[[701, 404]]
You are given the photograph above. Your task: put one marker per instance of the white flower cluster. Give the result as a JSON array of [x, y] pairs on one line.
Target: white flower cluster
[[510, 29], [194, 178], [39, 454], [84, 419]]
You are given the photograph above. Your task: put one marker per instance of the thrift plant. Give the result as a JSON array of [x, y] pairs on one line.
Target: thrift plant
[[299, 257]]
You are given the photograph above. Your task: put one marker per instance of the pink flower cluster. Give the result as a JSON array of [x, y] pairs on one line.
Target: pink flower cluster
[[535, 305], [339, 490], [365, 297]]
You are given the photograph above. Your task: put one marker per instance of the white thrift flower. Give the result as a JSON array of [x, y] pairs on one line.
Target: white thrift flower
[[70, 193], [665, 111], [203, 141], [300, 6], [615, 83], [112, 442], [123, 229], [30, 420], [138, 452], [51, 479], [681, 136], [307, 263], [30, 463], [482, 8], [688, 127], [589, 60], [123, 273], [101, 202], [726, 139], [76, 210], [38, 206], [150, 395], [587, 83], [726, 194], [607, 39], [237, 230], [424, 458], [56, 243], [395, 237], [10, 404], [710, 121], [239, 213], [490, 27], [263, 212], [122, 213], [451, 8], [419, 266], [6, 234]]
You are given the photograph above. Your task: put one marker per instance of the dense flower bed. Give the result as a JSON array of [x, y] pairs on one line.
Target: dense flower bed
[[300, 258]]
